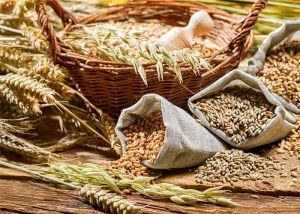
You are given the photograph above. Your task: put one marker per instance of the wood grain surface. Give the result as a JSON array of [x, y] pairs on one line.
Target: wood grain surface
[[21, 193]]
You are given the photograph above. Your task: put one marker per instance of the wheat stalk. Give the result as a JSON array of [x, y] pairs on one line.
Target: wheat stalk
[[96, 195], [64, 92], [22, 147], [28, 171], [10, 142], [22, 84], [23, 6], [108, 200], [14, 55], [72, 140], [36, 38], [109, 125], [19, 84], [8, 125], [35, 63], [31, 79], [27, 104], [8, 110], [20, 10]]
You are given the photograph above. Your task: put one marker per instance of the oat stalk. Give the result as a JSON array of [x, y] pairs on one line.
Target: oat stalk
[[31, 172], [92, 174], [146, 51], [101, 196]]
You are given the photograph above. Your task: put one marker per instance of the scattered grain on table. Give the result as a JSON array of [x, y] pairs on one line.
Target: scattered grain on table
[[236, 165]]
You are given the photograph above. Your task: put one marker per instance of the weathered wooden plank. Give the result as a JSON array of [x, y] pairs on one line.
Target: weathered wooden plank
[[31, 196]]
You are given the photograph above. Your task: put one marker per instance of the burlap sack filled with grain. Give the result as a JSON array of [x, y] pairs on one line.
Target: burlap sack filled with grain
[[287, 32], [240, 110], [186, 142]]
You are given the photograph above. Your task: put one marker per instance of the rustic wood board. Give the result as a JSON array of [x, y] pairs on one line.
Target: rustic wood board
[[31, 196], [27, 196], [19, 191]]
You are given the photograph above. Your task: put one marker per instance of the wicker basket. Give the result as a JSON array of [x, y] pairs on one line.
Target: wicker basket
[[113, 86]]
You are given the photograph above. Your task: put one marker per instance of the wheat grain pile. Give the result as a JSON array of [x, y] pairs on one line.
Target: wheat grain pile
[[291, 143], [144, 140], [281, 71], [240, 112]]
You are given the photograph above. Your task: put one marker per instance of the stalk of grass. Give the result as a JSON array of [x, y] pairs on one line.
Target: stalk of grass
[[151, 52], [31, 172], [92, 174], [101, 196]]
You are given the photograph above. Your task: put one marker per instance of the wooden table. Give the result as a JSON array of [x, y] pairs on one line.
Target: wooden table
[[21, 193]]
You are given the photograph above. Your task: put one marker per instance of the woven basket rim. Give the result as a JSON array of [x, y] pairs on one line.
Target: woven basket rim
[[237, 47]]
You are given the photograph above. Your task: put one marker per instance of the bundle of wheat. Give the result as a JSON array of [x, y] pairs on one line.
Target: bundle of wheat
[[30, 81]]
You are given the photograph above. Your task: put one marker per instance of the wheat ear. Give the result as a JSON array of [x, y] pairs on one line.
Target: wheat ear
[[22, 147], [107, 200]]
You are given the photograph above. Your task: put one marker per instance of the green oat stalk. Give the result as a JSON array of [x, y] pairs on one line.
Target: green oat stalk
[[92, 174], [152, 52]]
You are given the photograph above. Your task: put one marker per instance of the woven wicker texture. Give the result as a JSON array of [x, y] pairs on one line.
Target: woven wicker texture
[[113, 86]]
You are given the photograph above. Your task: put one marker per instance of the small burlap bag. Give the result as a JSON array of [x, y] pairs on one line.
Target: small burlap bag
[[186, 142], [288, 31], [277, 128]]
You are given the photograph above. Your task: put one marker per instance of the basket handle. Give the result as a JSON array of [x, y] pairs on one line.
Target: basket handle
[[245, 26], [45, 22]]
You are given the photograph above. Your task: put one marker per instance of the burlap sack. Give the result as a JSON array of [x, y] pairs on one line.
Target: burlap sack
[[186, 143], [289, 31], [276, 129]]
